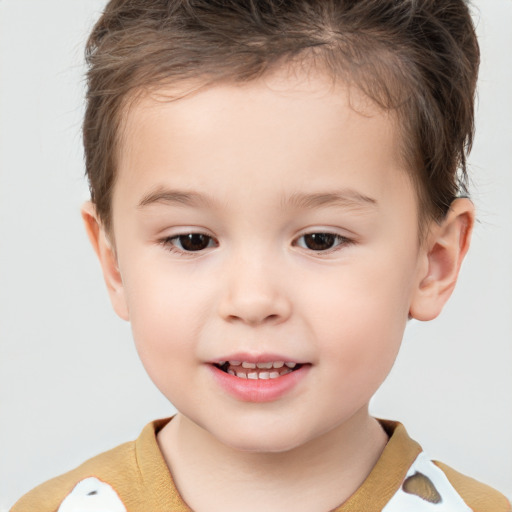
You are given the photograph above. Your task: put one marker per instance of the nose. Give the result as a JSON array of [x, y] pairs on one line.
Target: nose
[[253, 292]]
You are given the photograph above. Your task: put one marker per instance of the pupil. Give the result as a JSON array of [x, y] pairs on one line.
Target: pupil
[[194, 241], [319, 241]]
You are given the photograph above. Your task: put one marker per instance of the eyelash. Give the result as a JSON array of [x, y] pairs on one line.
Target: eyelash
[[340, 242], [169, 246]]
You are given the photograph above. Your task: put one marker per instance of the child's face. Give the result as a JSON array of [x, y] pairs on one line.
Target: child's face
[[255, 171]]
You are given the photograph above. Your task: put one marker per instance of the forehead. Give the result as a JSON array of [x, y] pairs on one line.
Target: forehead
[[296, 98], [288, 127]]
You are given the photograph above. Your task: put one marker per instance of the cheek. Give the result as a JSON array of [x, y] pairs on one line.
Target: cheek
[[166, 311], [365, 338], [163, 330], [360, 322]]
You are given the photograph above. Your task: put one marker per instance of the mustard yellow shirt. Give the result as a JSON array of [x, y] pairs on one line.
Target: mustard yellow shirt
[[134, 478]]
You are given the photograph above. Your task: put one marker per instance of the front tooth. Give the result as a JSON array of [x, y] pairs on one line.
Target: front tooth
[[248, 365], [264, 375], [241, 375], [278, 364], [252, 375], [274, 375], [234, 363], [291, 365], [266, 366]]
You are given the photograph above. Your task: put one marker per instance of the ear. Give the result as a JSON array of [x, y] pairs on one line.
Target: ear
[[447, 244], [105, 251]]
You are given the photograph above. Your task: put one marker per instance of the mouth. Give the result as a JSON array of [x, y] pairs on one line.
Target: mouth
[[257, 371], [259, 378]]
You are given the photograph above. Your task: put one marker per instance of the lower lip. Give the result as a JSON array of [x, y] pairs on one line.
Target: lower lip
[[259, 390]]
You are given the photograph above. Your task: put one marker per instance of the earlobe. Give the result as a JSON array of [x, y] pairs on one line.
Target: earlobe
[[444, 252], [105, 251]]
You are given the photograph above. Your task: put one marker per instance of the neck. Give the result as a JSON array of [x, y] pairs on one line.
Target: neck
[[316, 476]]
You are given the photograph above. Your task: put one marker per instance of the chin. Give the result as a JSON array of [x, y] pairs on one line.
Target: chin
[[262, 439], [269, 445]]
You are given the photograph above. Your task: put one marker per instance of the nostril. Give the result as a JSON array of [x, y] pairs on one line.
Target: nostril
[[254, 303]]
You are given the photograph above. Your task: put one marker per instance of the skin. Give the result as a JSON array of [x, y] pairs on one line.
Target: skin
[[259, 288]]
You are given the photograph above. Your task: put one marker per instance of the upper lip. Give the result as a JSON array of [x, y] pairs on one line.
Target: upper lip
[[257, 358]]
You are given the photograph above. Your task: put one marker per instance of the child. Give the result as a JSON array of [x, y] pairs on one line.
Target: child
[[274, 193]]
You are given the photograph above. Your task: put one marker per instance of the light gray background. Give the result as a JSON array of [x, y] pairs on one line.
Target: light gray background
[[70, 381]]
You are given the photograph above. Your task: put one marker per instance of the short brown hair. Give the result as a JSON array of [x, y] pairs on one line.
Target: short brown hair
[[419, 57]]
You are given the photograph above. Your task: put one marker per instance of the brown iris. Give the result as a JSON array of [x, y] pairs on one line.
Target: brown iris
[[194, 241], [319, 241]]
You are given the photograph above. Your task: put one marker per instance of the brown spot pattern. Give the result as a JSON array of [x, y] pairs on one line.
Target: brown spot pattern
[[420, 485]]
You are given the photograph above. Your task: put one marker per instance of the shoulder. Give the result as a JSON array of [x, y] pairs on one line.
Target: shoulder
[[132, 476], [106, 467], [410, 480], [479, 497]]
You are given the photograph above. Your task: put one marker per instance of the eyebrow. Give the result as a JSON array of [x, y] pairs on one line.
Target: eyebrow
[[178, 197], [347, 198]]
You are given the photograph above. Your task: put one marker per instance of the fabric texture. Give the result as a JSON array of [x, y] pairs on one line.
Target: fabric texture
[[134, 478]]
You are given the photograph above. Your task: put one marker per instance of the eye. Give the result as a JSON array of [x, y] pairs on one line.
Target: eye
[[321, 242], [190, 242]]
